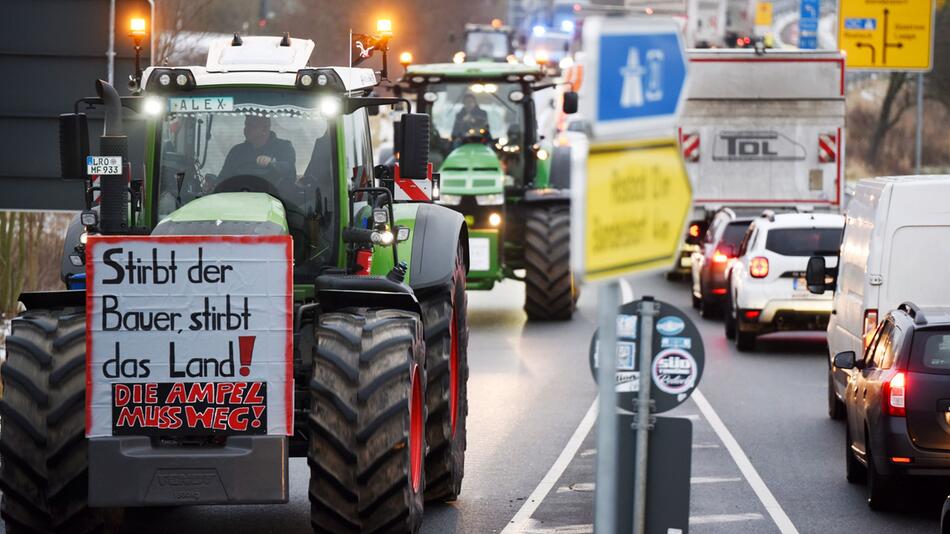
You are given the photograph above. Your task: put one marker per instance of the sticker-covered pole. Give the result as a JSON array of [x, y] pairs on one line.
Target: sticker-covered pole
[[648, 310], [605, 520]]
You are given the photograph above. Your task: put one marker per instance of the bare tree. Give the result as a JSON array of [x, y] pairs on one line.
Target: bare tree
[[897, 99]]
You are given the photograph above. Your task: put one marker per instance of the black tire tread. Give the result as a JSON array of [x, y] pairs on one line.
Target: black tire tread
[[549, 286], [360, 467], [42, 439]]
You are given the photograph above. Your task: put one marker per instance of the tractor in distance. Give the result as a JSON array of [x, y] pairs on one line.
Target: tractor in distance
[[511, 183], [377, 395]]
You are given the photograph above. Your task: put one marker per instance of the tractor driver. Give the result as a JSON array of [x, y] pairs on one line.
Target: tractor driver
[[471, 118], [262, 154]]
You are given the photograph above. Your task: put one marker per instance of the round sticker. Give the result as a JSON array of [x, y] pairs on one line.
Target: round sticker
[[670, 325], [674, 371]]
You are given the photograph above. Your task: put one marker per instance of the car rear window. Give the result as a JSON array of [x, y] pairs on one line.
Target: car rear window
[[930, 352], [734, 233], [804, 241]]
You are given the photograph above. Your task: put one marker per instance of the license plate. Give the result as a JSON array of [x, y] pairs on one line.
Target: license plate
[[103, 165], [800, 286], [479, 253]]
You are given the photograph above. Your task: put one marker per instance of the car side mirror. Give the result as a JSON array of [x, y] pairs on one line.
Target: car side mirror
[[845, 360], [569, 103], [73, 145], [815, 275], [414, 152]]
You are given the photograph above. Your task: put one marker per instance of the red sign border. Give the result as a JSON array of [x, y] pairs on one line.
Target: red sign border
[[286, 240]]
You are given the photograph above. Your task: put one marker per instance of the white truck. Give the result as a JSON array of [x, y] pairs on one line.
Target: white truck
[[706, 23], [763, 131]]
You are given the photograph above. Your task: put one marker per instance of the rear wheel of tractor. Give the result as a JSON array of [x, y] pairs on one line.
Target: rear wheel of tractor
[[42, 439], [549, 283], [446, 329], [367, 423]]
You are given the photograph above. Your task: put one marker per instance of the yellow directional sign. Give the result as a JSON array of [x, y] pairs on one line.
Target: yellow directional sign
[[887, 34], [637, 198], [763, 13]]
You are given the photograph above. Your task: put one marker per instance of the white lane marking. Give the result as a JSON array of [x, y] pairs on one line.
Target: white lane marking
[[705, 445], [771, 505], [519, 522], [584, 487], [712, 480], [626, 292], [588, 452], [534, 527], [722, 518]]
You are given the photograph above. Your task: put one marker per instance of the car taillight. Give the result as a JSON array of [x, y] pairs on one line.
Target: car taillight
[[870, 324], [759, 267], [894, 395], [719, 257]]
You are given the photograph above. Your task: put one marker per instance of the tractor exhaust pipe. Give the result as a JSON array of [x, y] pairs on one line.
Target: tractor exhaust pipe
[[113, 190]]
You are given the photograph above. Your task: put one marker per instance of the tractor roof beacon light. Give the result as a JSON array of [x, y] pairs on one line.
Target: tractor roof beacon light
[[405, 59], [384, 27], [138, 32]]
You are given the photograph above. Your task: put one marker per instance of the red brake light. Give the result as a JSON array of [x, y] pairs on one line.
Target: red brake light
[[739, 41], [752, 314], [747, 40], [719, 257], [894, 395], [759, 267]]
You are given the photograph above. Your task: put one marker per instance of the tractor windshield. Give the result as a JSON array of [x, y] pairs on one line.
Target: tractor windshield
[[269, 141], [489, 113]]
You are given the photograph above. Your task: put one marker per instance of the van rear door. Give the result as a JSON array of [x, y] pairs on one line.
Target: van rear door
[[928, 390]]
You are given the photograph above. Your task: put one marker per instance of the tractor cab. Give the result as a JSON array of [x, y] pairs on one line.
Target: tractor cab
[[488, 42]]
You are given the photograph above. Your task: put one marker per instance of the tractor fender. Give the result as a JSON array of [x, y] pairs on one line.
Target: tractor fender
[[438, 233], [71, 241], [339, 291]]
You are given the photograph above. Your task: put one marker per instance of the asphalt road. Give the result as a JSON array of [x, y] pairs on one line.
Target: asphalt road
[[530, 387]]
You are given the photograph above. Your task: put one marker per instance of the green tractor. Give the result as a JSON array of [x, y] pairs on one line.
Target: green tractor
[[256, 145], [512, 184]]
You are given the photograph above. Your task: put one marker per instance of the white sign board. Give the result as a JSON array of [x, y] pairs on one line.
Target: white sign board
[[189, 335], [103, 165]]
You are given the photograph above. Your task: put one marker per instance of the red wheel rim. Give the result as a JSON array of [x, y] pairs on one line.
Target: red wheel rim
[[453, 368], [416, 426]]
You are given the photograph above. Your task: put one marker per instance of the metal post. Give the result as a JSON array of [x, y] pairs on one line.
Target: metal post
[[920, 122], [605, 520], [110, 53], [648, 310]]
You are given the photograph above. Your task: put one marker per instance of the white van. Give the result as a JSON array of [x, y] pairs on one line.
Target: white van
[[895, 248]]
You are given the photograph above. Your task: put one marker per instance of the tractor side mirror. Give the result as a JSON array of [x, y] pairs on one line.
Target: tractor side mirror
[[414, 153], [569, 103], [372, 111], [845, 360], [73, 145], [815, 275]]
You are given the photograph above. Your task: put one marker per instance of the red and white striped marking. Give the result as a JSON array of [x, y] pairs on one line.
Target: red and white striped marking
[[827, 148], [690, 144], [412, 190]]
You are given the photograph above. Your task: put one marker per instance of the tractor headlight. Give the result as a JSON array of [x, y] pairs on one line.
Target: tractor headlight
[[89, 218], [330, 106], [83, 237], [493, 199], [542, 154], [380, 216], [402, 233], [450, 200], [386, 238], [151, 106], [494, 219]]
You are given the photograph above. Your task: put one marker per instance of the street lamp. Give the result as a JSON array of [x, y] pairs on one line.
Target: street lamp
[[138, 32]]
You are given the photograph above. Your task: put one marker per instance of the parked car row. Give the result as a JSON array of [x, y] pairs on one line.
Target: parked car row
[[876, 280]]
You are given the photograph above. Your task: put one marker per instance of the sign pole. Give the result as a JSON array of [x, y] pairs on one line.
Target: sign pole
[[643, 409], [920, 122], [607, 432]]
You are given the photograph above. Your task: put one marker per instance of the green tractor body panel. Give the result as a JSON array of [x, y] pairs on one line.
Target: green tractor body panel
[[472, 169], [486, 267], [478, 69], [247, 207]]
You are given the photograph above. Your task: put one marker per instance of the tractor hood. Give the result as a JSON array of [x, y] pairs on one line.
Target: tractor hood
[[472, 169], [227, 214]]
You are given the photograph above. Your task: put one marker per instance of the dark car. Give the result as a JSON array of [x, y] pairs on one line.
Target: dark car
[[717, 249], [898, 402]]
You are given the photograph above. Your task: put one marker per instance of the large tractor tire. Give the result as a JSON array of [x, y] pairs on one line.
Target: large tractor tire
[[550, 294], [42, 439], [367, 423], [446, 326]]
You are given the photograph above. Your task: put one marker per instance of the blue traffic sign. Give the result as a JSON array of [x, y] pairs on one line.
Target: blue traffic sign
[[808, 24], [638, 76]]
